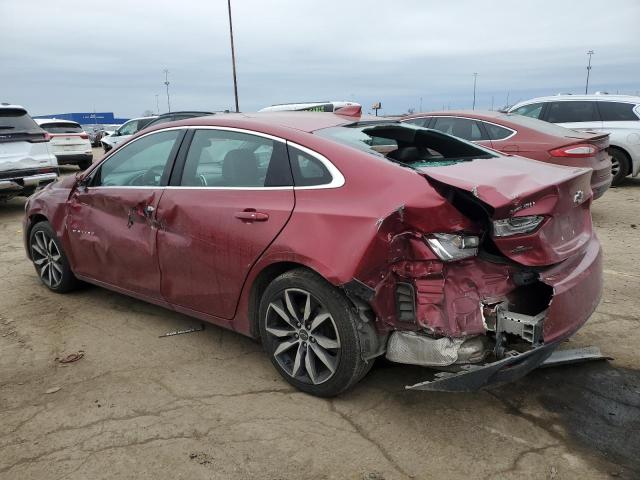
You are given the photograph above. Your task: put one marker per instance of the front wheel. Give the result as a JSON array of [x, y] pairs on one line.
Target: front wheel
[[309, 330], [620, 166], [50, 260]]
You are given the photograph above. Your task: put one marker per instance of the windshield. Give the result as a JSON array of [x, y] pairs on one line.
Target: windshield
[[62, 127], [406, 143]]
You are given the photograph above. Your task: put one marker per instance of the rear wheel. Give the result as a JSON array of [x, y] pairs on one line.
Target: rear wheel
[[50, 260], [309, 330], [620, 165]]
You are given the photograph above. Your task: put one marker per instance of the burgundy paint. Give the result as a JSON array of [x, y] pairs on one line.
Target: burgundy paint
[[370, 229]]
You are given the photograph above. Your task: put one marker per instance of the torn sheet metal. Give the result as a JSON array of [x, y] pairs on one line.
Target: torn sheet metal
[[574, 355], [181, 332], [474, 377]]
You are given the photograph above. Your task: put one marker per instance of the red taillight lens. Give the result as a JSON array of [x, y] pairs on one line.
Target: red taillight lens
[[84, 136], [580, 150], [47, 136]]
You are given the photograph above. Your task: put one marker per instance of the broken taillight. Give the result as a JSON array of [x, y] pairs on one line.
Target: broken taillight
[[450, 246], [516, 225]]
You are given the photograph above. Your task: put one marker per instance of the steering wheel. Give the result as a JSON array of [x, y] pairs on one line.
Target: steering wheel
[[151, 177]]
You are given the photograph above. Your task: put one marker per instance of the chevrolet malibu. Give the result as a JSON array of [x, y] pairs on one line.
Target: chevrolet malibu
[[334, 239]]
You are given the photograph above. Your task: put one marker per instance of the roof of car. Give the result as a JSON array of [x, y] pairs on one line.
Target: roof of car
[[9, 106], [182, 112], [303, 121], [478, 114], [598, 97], [42, 121]]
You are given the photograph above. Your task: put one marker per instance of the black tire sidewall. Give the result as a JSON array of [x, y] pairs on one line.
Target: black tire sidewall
[[624, 166], [68, 281], [349, 369]]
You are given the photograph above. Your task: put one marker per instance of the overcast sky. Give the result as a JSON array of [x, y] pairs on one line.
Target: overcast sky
[[74, 56]]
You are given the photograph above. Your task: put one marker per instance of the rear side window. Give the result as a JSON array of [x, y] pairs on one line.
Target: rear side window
[[617, 112], [532, 110], [497, 132], [222, 158], [16, 120], [460, 127], [62, 127], [307, 170], [572, 112]]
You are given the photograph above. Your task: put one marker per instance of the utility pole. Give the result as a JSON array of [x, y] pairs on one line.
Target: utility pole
[[157, 104], [475, 77], [586, 87], [233, 58], [166, 83]]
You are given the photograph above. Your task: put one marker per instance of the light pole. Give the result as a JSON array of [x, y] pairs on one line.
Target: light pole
[[157, 104], [586, 87], [233, 59], [166, 83], [475, 78]]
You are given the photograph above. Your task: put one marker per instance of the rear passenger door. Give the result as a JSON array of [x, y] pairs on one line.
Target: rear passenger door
[[231, 193], [576, 114]]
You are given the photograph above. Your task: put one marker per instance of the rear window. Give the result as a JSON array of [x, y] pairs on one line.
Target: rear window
[[16, 120], [572, 112], [406, 144], [617, 112], [62, 127]]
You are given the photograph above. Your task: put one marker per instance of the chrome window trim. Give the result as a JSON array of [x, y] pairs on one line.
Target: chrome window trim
[[337, 179], [513, 132]]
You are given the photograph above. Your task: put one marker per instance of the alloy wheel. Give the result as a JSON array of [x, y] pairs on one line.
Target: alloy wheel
[[307, 343], [615, 166], [47, 258]]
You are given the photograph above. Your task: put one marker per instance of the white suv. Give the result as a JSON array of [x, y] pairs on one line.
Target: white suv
[[617, 115], [125, 132], [69, 142], [25, 160]]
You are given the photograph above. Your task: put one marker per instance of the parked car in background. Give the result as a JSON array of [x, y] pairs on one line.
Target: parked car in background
[[97, 131], [68, 142], [617, 115], [175, 116], [124, 132], [294, 228], [527, 137], [26, 163], [326, 106]]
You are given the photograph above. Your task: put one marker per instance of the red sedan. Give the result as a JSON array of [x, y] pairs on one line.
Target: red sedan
[[334, 239], [528, 137]]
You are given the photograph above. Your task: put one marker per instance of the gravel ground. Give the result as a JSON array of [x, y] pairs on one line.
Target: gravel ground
[[209, 405]]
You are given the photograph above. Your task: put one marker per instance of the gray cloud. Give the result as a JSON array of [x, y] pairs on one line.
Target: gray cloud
[[77, 55]]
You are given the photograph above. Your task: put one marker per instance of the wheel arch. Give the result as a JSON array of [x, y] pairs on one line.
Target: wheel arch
[[33, 220]]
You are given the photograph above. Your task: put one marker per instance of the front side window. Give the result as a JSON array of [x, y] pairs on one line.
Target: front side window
[[222, 158], [572, 112], [532, 110], [459, 127], [617, 112], [143, 162], [497, 132]]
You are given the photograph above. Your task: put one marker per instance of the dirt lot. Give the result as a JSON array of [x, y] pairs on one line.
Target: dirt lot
[[209, 405]]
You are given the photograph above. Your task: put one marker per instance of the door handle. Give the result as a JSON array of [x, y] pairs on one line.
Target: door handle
[[250, 215]]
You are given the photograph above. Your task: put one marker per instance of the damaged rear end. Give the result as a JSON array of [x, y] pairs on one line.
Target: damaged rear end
[[485, 288]]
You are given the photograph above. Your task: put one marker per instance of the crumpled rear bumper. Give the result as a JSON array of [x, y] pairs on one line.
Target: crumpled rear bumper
[[474, 377]]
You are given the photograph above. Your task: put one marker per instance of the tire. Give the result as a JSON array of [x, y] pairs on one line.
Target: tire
[[49, 259], [83, 165], [326, 342], [620, 166]]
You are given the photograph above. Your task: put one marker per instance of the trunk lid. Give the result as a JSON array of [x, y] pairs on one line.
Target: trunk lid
[[514, 187]]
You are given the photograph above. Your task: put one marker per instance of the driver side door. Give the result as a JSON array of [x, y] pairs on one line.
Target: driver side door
[[111, 219]]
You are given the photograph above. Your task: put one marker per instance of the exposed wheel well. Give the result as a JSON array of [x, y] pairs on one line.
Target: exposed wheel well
[[264, 278]]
